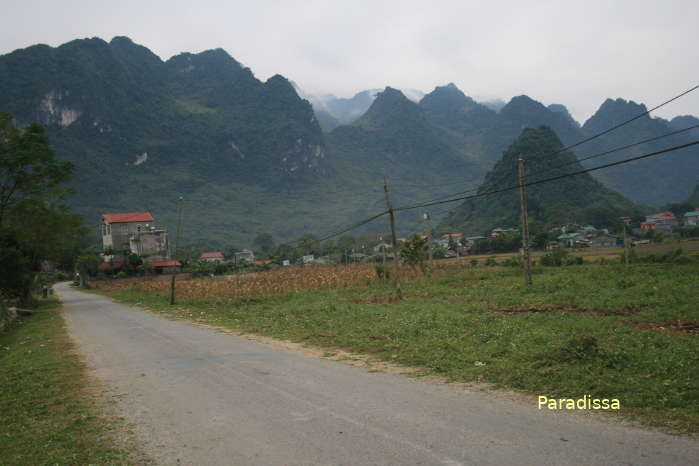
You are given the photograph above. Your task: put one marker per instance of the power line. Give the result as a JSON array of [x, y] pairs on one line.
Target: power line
[[595, 136], [579, 172], [600, 154], [609, 130], [497, 191]]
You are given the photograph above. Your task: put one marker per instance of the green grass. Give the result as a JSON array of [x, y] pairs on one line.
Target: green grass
[[586, 343], [46, 414]]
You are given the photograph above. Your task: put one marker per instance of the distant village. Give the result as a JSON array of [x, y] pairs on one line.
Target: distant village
[[134, 242]]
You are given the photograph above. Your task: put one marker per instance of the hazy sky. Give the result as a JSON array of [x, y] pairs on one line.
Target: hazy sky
[[574, 53]]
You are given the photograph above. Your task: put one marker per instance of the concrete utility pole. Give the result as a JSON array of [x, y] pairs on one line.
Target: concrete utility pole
[[394, 243], [383, 256], [525, 223], [428, 233], [177, 245], [626, 221]]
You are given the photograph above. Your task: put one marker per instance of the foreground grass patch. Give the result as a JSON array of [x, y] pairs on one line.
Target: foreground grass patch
[[583, 330], [46, 414]]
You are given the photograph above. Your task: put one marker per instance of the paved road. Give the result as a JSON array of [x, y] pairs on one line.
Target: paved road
[[201, 397]]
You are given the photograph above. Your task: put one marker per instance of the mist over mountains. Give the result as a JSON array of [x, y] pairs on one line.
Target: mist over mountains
[[251, 156]]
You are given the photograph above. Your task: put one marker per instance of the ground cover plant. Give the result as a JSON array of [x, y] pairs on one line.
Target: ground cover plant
[[607, 331], [47, 416]]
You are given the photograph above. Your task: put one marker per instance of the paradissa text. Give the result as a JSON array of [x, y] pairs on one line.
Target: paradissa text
[[586, 402]]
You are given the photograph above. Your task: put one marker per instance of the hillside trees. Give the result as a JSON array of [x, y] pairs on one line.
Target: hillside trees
[[34, 224]]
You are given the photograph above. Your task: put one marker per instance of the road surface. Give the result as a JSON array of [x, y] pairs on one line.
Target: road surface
[[200, 397]]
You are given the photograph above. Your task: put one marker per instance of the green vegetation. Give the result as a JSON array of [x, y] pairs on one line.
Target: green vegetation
[[35, 225], [48, 416], [606, 331], [244, 153], [579, 199]]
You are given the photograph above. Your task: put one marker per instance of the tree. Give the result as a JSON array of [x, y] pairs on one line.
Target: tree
[[33, 219], [308, 244], [414, 252], [30, 174], [264, 242]]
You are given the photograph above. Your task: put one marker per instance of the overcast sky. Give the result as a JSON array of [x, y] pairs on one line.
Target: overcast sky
[[574, 53]]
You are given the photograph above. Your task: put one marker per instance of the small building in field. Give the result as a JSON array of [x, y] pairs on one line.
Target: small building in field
[[245, 256], [573, 240], [663, 222], [692, 218], [167, 266], [382, 246], [212, 257], [603, 241]]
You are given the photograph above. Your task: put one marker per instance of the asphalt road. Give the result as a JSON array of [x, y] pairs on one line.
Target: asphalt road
[[199, 397]]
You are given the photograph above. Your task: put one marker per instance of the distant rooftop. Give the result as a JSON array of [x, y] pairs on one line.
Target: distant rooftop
[[128, 217]]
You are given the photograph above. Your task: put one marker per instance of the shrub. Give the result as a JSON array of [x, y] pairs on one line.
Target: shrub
[[560, 257], [382, 271]]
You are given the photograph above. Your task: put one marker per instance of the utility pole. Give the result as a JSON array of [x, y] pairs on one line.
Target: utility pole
[[177, 245], [525, 223], [383, 256], [626, 221], [428, 233], [394, 243]]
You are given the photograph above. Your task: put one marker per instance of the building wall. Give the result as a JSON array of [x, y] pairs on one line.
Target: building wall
[[154, 243], [117, 235]]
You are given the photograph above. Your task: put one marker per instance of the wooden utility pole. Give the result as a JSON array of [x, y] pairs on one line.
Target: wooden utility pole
[[394, 243], [428, 233], [177, 244], [525, 223]]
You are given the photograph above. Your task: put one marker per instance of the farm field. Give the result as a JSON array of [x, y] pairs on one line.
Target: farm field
[[607, 331]]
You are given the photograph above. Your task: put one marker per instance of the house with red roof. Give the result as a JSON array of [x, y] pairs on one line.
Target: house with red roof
[[212, 257], [662, 221], [135, 232]]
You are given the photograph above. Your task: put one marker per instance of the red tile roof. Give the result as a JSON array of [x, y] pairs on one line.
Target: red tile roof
[[662, 215], [128, 217], [453, 235], [170, 263], [262, 262], [211, 255]]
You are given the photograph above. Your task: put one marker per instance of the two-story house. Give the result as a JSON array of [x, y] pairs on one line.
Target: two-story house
[[135, 232]]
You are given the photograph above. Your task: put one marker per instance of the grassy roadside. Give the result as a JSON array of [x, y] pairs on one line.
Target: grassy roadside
[[604, 331], [47, 414]]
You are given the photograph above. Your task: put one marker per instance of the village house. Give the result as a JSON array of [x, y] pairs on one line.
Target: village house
[[166, 266], [692, 218], [501, 231], [244, 256], [573, 240], [385, 246], [212, 257], [663, 222], [603, 241], [134, 232], [444, 241]]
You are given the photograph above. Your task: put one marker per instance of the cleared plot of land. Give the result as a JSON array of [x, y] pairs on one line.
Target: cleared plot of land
[[46, 412], [606, 331]]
